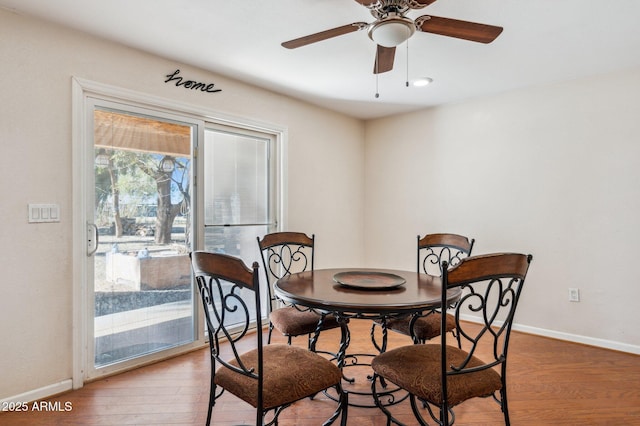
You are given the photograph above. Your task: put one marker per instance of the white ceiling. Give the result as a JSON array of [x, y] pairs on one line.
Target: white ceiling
[[543, 41]]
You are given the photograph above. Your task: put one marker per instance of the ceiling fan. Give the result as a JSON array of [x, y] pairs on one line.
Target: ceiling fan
[[392, 27]]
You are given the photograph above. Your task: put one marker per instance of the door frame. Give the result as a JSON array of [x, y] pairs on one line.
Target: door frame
[[82, 155]]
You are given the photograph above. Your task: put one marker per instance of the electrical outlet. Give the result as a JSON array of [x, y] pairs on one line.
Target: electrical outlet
[[574, 295]]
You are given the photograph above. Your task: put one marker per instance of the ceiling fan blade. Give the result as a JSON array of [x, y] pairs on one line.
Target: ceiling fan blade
[[419, 4], [459, 29], [384, 59], [367, 3], [324, 35]]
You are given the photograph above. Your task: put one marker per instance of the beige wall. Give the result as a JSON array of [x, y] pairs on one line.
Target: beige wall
[[325, 165], [553, 171]]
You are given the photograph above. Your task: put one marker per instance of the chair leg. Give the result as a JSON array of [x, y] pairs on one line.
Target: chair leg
[[345, 408], [270, 331], [447, 415], [212, 399], [390, 400], [342, 409], [505, 407], [444, 415], [209, 415]]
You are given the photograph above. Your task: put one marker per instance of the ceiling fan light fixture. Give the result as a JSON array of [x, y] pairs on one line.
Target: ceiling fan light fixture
[[392, 31]]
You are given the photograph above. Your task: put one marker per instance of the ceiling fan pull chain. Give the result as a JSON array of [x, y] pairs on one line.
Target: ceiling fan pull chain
[[407, 82], [377, 65]]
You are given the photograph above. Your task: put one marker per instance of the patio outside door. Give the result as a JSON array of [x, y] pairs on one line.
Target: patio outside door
[[142, 289]]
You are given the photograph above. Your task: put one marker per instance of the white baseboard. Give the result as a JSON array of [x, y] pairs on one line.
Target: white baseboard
[[40, 393], [575, 338], [591, 341]]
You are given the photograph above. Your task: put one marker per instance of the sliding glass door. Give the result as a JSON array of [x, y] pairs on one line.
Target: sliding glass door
[[240, 187], [154, 183], [143, 299]]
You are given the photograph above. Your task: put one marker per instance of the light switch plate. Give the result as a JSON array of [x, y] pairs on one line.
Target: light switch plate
[[40, 213]]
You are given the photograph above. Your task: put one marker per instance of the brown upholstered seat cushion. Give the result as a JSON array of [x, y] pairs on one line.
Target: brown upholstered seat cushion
[[416, 368], [292, 322], [290, 373], [425, 328]]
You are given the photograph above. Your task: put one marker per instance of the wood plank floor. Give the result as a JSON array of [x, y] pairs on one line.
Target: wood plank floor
[[551, 382]]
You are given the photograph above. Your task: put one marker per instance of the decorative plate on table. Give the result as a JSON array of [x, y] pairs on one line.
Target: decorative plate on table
[[368, 280]]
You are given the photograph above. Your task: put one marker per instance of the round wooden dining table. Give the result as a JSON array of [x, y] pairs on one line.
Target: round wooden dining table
[[363, 293]]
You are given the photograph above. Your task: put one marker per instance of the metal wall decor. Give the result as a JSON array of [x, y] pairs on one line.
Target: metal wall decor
[[190, 84]]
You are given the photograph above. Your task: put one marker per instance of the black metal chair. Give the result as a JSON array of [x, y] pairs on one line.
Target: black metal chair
[[285, 253], [441, 376], [269, 377], [432, 250]]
